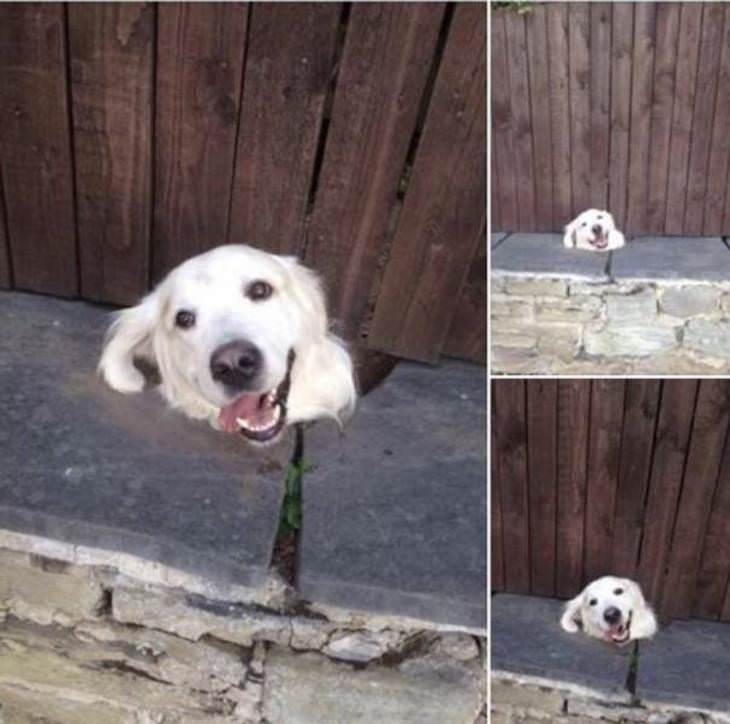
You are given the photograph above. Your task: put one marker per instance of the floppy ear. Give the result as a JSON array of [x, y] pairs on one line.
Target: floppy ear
[[569, 240], [616, 239], [128, 334], [571, 619], [643, 621]]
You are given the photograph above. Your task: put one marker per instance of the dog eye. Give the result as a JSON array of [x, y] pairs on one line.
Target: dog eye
[[593, 602], [599, 216], [585, 223], [618, 591], [184, 319], [259, 290]]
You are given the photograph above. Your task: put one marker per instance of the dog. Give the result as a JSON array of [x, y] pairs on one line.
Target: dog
[[612, 609], [593, 230], [240, 337]]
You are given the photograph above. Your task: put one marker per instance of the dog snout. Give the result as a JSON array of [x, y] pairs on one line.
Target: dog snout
[[236, 364], [612, 615], [597, 229]]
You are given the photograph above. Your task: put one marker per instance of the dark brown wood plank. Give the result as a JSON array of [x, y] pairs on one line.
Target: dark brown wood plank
[[112, 54], [502, 132], [580, 106], [641, 93], [717, 173], [665, 61], [621, 61], [600, 102], [385, 64], [537, 47], [714, 570], [444, 212], [496, 569], [514, 25], [289, 63], [604, 454], [542, 450], [559, 100], [467, 337], [676, 412], [35, 148], [5, 273], [708, 439], [637, 443], [573, 416], [200, 50], [707, 78], [684, 99], [511, 457]]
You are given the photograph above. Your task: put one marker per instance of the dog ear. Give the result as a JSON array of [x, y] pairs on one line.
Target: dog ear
[[128, 334], [569, 238], [616, 239], [571, 620], [643, 621], [307, 290]]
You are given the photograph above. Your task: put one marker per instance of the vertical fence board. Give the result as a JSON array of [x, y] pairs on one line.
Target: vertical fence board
[[621, 49], [670, 453], [542, 448], [502, 127], [703, 462], [604, 454], [637, 442], [5, 276], [496, 569], [443, 216], [112, 51], [573, 416], [511, 454], [665, 60], [580, 106], [35, 148], [289, 64], [600, 102], [199, 66]]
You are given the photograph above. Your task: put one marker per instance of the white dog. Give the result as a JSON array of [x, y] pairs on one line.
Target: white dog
[[593, 230], [239, 337], [612, 609]]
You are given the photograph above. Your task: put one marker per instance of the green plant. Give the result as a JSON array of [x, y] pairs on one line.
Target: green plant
[[291, 507]]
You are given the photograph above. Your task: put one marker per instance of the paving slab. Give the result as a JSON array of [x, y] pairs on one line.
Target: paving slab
[[85, 465], [527, 639], [496, 238], [705, 259], [687, 663], [545, 254], [394, 512]]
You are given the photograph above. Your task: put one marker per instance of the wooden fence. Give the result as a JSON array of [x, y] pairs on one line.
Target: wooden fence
[[133, 135], [623, 106], [632, 477]]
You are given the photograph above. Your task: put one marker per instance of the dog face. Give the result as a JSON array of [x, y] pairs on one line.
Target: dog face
[[612, 609], [593, 230], [239, 337]]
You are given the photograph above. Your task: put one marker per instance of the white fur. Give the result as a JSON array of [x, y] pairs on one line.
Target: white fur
[[580, 614], [579, 234], [212, 284]]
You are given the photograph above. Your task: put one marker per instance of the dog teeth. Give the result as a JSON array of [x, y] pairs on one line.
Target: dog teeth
[[264, 426]]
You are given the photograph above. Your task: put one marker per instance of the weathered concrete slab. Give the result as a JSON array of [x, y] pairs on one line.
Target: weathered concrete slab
[[673, 257], [527, 639], [545, 254], [86, 465], [687, 664], [496, 238], [394, 512]]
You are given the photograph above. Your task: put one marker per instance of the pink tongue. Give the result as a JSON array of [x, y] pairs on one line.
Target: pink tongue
[[246, 407]]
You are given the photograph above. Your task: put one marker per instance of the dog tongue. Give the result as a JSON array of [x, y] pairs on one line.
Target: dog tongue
[[247, 407]]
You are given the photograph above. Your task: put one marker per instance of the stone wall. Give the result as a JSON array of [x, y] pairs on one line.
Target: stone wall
[[87, 643], [543, 324], [519, 699]]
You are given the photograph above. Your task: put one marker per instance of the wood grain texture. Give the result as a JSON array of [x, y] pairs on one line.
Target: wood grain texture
[[600, 102], [35, 148], [580, 110], [6, 280], [542, 451], [496, 569], [443, 218], [200, 51], [383, 73], [112, 55], [289, 63]]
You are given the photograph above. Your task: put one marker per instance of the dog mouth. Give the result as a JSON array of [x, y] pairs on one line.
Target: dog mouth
[[620, 633], [600, 241], [259, 417]]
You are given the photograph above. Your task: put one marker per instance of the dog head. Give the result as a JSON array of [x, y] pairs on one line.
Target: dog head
[[593, 230], [239, 337], [612, 609]]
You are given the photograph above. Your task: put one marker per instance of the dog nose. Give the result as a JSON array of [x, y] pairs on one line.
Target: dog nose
[[235, 364], [596, 229], [612, 615]]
